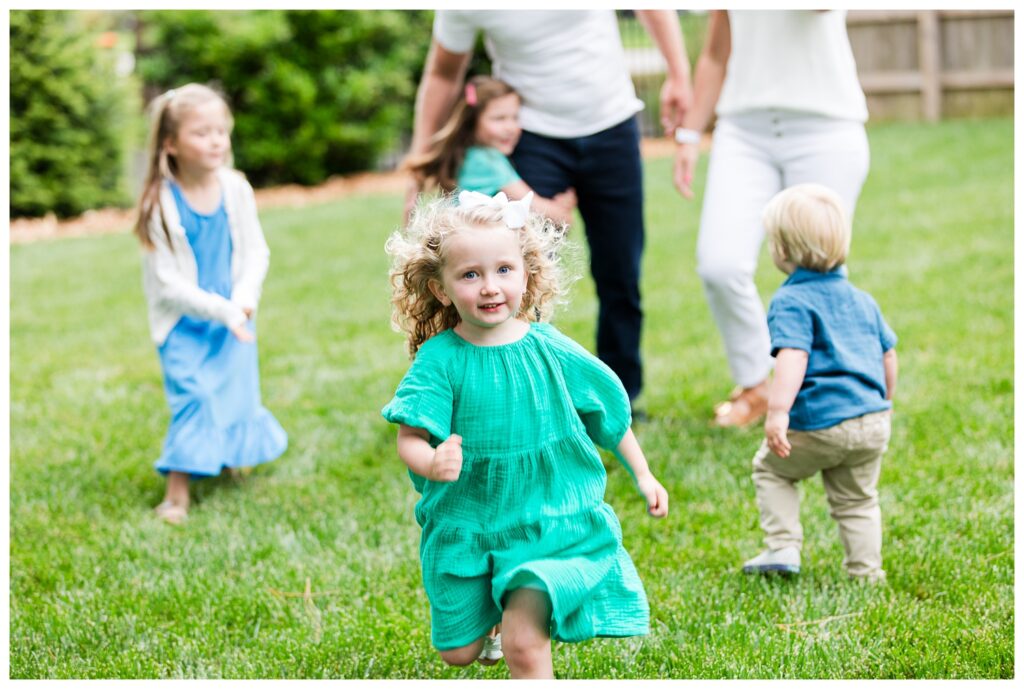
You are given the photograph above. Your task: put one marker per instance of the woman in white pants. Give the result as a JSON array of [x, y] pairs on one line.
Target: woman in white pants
[[789, 110]]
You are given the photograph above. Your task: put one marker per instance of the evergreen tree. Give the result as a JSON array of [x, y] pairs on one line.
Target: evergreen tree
[[67, 115]]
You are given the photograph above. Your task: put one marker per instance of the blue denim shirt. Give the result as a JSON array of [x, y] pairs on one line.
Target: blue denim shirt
[[843, 331]]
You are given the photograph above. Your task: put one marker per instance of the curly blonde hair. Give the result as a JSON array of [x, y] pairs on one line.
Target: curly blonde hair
[[418, 256]]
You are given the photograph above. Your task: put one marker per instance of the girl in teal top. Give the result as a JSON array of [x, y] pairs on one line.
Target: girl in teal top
[[470, 152], [499, 418]]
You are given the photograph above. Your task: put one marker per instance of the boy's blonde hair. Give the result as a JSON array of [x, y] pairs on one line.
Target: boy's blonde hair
[[807, 226], [418, 255]]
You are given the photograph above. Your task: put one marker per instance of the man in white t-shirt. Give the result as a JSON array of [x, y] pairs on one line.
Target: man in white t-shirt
[[579, 130]]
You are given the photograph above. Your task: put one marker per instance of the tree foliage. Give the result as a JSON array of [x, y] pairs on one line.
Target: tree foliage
[[67, 113], [314, 93]]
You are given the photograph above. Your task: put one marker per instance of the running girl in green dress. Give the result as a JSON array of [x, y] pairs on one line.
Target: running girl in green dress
[[500, 418]]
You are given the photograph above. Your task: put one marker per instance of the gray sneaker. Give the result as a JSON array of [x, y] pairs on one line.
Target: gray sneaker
[[783, 561]]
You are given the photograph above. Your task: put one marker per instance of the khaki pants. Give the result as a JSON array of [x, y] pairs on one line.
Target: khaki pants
[[849, 457]]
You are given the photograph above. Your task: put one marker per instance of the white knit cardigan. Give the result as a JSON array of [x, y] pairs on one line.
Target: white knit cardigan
[[170, 277]]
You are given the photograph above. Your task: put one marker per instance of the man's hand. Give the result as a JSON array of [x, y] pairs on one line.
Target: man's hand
[[676, 100]]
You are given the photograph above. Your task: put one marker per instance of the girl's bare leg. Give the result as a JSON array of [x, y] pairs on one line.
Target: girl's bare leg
[[464, 655], [174, 508], [525, 639]]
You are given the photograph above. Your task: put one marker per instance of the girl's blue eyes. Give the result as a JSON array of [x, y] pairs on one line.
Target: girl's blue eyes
[[472, 274]]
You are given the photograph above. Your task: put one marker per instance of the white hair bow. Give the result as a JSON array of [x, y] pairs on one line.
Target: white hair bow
[[514, 213]]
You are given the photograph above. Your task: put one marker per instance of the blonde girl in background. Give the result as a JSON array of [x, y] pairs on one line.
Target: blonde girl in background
[[470, 152], [500, 417], [204, 260]]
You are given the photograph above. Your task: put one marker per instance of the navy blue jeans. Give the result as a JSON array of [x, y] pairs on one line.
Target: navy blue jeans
[[606, 172]]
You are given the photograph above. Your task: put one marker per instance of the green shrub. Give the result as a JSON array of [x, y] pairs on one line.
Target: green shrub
[[68, 110], [314, 93]]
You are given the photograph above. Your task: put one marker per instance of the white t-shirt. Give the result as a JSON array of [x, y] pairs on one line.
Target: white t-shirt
[[793, 60], [568, 66]]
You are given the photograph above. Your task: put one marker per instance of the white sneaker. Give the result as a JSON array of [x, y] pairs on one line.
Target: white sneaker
[[784, 560], [492, 648]]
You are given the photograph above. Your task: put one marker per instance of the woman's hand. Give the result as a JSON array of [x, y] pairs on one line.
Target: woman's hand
[[684, 167], [654, 493]]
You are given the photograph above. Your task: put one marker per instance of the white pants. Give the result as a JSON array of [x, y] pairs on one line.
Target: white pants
[[754, 156]]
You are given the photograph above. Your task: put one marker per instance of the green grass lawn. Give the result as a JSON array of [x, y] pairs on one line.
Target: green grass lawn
[[100, 588]]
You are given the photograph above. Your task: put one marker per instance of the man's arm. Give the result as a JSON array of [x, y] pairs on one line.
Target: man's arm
[[439, 87], [676, 92]]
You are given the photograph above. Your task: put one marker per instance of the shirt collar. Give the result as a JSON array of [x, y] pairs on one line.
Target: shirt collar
[[805, 275]]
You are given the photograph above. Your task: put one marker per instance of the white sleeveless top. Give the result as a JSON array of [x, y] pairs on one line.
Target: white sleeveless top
[[793, 60], [568, 66]]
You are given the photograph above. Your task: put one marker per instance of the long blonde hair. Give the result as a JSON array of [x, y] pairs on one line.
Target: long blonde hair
[[166, 114], [439, 166], [418, 255]]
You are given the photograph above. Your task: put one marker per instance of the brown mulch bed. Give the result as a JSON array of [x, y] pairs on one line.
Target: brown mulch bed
[[118, 220]]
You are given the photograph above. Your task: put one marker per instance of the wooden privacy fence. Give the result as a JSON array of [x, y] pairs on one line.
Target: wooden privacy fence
[[934, 63]]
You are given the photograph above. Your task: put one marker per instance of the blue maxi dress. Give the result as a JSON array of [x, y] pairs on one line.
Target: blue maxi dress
[[212, 379]]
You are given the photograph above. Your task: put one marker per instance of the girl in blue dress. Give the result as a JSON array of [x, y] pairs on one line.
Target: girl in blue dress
[[204, 261], [470, 152]]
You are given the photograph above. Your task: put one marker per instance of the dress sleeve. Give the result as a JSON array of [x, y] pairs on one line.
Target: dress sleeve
[[424, 396], [597, 394], [790, 325], [487, 171]]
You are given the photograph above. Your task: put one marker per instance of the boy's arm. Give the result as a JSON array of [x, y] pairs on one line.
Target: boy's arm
[[790, 367], [442, 464], [891, 365], [655, 494]]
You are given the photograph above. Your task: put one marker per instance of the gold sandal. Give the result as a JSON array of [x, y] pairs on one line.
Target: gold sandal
[[744, 408], [171, 512]]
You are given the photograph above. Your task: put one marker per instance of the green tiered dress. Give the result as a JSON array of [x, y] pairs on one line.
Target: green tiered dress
[[528, 508]]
